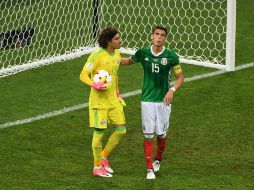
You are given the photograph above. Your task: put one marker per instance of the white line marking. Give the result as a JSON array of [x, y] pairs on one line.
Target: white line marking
[[128, 94]]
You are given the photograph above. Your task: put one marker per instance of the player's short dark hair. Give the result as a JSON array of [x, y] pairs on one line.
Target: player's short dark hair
[[106, 36], [160, 28]]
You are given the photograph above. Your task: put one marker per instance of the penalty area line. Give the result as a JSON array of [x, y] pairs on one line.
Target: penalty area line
[[125, 95]]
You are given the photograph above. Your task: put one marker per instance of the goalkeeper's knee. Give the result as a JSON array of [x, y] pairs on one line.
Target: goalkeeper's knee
[[121, 131], [97, 138]]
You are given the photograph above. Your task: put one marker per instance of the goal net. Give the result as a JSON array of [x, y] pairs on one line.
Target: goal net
[[37, 33]]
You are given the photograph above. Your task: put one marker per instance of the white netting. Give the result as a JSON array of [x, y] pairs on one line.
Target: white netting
[[58, 30], [197, 28], [36, 33]]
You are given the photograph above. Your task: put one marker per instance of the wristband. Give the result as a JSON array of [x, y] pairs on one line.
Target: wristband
[[173, 89]]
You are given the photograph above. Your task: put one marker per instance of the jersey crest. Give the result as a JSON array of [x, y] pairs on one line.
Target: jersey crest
[[164, 61]]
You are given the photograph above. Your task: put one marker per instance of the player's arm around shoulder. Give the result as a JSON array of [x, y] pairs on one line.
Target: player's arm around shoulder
[[126, 61], [133, 59]]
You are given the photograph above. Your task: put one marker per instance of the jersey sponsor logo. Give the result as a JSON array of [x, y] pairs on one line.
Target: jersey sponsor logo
[[89, 65], [164, 61]]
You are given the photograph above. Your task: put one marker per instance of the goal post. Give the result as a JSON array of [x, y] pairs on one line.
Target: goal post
[[231, 33], [37, 33]]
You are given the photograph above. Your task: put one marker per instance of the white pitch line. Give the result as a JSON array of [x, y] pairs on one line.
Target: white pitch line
[[128, 94]]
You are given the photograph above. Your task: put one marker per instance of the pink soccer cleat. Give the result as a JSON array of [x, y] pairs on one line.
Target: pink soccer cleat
[[106, 166], [101, 172]]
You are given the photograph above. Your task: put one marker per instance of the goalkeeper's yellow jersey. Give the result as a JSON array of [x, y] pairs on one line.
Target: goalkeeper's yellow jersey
[[101, 59]]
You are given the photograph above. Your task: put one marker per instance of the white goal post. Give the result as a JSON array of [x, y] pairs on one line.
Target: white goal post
[[37, 33]]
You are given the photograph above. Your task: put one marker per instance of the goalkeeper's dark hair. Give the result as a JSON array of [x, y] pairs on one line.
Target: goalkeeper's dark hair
[[106, 36], [160, 28]]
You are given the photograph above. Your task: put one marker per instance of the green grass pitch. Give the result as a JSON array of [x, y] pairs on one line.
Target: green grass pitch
[[211, 142]]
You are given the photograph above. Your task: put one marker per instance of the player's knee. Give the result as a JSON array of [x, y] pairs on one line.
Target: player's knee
[[162, 136], [97, 137], [149, 136], [121, 131], [96, 143]]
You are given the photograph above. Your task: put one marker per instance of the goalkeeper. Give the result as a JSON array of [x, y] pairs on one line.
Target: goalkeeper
[[104, 104], [157, 95]]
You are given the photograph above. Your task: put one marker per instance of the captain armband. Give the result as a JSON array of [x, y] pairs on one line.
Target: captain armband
[[177, 69]]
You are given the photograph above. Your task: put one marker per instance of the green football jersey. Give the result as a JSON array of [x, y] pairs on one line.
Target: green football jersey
[[157, 72]]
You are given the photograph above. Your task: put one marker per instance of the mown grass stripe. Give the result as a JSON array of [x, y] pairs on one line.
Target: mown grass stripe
[[125, 95]]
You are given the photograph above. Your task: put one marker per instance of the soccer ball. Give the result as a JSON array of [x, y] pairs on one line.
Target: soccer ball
[[102, 76]]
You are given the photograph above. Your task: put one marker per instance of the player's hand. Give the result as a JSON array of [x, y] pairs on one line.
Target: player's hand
[[121, 100], [169, 97], [99, 86]]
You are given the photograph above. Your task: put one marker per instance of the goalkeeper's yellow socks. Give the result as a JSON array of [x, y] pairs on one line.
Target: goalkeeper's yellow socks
[[113, 141], [97, 146]]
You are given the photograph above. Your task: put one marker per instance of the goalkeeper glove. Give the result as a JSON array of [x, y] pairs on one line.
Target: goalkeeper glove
[[122, 102], [98, 86]]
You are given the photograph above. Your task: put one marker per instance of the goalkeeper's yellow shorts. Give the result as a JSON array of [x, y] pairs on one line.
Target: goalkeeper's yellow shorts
[[99, 118]]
